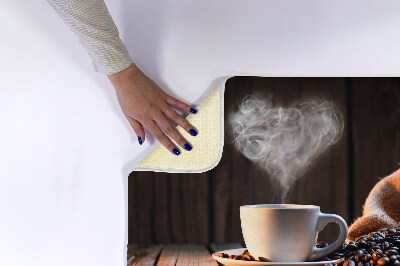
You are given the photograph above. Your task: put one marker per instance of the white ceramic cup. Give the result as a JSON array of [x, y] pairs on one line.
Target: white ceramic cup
[[287, 232]]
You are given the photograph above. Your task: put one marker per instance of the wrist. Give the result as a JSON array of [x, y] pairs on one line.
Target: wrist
[[125, 75]]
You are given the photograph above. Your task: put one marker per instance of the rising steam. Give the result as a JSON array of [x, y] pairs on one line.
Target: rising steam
[[285, 141]]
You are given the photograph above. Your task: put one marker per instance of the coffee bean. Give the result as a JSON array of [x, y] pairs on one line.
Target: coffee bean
[[380, 234], [349, 263], [392, 259], [367, 257], [375, 256], [351, 247], [383, 261], [375, 249], [393, 252], [362, 244], [248, 257], [359, 255], [385, 245]]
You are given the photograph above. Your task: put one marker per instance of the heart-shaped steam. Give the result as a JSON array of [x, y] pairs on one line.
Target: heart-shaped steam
[[285, 141]]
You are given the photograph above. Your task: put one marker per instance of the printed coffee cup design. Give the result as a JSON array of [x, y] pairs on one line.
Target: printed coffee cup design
[[287, 232]]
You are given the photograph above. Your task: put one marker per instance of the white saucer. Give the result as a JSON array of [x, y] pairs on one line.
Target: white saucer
[[231, 262]]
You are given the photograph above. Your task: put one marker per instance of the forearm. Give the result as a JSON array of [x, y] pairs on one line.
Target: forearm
[[92, 23]]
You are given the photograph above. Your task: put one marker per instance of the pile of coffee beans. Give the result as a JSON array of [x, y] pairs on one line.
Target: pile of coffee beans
[[377, 248], [380, 248], [244, 256]]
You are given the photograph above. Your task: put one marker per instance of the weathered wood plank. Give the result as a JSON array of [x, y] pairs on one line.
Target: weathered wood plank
[[196, 207], [164, 208], [229, 186], [169, 255], [141, 204], [195, 255], [143, 255], [376, 133], [326, 183], [189, 208], [219, 247]]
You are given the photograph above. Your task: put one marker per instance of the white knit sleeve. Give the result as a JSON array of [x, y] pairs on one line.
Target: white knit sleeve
[[91, 21]]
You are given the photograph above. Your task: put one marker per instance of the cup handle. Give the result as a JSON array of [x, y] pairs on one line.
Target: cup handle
[[323, 220]]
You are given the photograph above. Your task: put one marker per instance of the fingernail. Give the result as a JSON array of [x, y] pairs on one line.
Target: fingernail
[[193, 132], [187, 147], [176, 152], [140, 140], [193, 110]]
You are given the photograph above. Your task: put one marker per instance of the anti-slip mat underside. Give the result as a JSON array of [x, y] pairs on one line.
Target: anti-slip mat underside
[[207, 145]]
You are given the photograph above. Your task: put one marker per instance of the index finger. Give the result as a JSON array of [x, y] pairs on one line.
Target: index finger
[[180, 105]]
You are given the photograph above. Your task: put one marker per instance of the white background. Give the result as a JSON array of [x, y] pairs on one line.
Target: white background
[[65, 148]]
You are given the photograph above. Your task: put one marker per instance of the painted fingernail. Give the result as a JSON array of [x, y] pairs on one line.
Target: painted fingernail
[[140, 140], [193, 110], [193, 132], [187, 147], [176, 152]]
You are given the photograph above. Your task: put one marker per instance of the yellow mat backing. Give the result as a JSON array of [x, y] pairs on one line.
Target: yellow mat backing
[[207, 145]]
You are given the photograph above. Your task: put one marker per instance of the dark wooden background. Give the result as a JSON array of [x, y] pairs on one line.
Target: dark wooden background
[[204, 208]]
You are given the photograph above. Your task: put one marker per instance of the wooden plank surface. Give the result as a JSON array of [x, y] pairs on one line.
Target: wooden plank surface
[[326, 183], [215, 247], [376, 133], [141, 207], [230, 187], [143, 255], [171, 255], [165, 208], [195, 255]]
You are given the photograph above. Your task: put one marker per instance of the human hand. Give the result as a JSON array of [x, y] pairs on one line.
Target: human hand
[[146, 105]]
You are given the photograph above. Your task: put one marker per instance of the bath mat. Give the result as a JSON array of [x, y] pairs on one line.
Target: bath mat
[[207, 145]]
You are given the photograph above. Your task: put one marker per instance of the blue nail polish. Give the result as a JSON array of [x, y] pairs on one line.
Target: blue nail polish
[[176, 152], [140, 140], [187, 147], [193, 111], [193, 132]]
